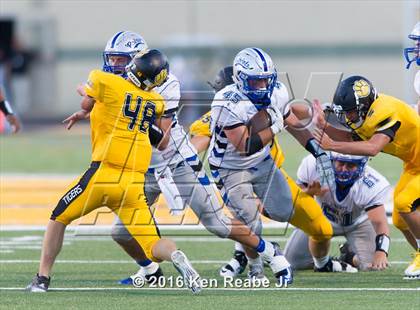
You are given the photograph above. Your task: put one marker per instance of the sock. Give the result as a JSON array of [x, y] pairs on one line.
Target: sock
[[144, 263], [255, 261], [418, 244], [261, 246], [321, 262], [239, 247]]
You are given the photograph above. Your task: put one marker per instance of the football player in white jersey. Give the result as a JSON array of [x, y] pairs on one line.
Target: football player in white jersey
[[178, 164], [356, 211], [412, 54], [241, 163]]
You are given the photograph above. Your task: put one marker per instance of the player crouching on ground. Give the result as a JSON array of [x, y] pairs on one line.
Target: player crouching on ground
[[380, 123], [121, 113], [356, 211]]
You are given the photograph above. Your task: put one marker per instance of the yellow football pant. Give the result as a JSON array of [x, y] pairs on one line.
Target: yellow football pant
[[119, 190], [308, 215], [406, 197]]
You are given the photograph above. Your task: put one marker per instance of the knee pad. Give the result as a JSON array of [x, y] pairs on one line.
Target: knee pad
[[120, 234]]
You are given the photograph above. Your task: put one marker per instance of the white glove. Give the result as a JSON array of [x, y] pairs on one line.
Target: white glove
[[276, 119], [325, 172], [170, 191], [274, 113], [277, 126]]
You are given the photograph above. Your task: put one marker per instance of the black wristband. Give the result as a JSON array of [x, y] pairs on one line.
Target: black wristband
[[253, 144], [382, 242], [155, 135], [313, 147], [5, 107]]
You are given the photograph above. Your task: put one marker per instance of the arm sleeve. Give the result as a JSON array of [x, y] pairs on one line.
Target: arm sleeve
[[306, 172], [93, 84], [225, 117], [160, 105], [282, 99], [376, 189], [171, 92]]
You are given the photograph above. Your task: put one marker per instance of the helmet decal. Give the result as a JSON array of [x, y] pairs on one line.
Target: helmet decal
[[361, 88]]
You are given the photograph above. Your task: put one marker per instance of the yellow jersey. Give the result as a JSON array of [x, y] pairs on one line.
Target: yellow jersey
[[120, 121], [201, 127], [396, 119]]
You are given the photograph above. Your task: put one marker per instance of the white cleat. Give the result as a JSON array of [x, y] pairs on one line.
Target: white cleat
[[191, 277], [278, 263], [413, 270], [151, 274], [235, 266]]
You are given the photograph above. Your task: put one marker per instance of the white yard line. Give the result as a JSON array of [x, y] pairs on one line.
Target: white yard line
[[72, 237], [335, 289], [79, 261]]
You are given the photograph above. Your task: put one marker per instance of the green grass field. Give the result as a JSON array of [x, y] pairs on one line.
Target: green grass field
[[88, 269]]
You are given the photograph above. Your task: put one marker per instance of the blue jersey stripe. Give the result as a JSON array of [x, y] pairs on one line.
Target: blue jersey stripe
[[262, 58], [115, 38]]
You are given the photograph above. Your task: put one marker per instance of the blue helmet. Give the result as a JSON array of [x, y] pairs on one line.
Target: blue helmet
[[252, 64], [124, 44], [412, 54], [348, 177]]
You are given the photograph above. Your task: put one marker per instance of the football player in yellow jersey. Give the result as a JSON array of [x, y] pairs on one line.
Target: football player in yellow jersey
[[308, 214], [121, 113], [380, 123]]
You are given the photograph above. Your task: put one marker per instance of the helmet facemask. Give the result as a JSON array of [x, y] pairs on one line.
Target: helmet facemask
[[354, 103], [255, 75], [124, 45], [118, 69], [257, 95], [348, 168], [412, 54]]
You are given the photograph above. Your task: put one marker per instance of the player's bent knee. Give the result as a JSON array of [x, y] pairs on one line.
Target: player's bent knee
[[321, 229], [220, 227]]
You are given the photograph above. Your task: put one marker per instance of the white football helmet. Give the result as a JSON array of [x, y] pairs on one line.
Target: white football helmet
[[348, 177], [253, 65], [415, 51], [124, 44]]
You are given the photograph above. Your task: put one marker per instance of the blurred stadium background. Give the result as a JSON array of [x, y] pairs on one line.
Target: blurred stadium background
[[48, 47]]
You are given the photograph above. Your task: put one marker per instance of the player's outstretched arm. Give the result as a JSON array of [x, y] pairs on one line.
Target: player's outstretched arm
[[377, 216], [321, 122], [87, 106], [370, 147]]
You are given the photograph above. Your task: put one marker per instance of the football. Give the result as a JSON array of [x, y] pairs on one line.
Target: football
[[259, 121]]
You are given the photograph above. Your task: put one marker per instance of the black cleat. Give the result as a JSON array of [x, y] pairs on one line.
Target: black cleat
[[335, 265], [39, 284], [235, 266], [346, 254]]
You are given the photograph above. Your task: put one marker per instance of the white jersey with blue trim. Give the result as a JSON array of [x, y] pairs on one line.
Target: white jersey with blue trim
[[231, 108], [179, 147], [417, 82], [371, 190]]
